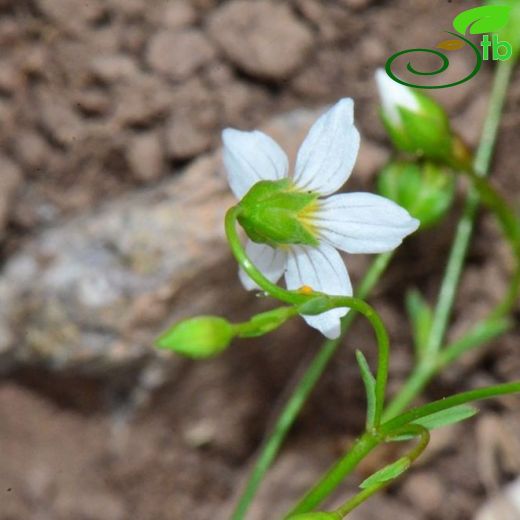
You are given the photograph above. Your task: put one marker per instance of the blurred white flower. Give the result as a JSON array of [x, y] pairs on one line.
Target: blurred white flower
[[353, 222]]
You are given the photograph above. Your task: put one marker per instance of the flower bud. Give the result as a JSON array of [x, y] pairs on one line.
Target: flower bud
[[415, 123], [273, 213], [199, 337], [426, 190]]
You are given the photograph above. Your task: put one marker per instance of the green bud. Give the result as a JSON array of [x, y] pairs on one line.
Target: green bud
[[199, 337], [426, 190], [265, 322], [425, 132], [417, 124], [273, 212]]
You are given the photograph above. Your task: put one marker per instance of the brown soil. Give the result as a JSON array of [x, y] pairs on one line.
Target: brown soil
[[90, 112]]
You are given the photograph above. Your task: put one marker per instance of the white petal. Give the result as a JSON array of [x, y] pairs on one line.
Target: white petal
[[323, 269], [328, 153], [250, 157], [269, 261], [363, 222], [394, 95]]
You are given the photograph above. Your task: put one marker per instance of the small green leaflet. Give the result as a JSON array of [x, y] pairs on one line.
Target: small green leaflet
[[370, 387], [386, 474], [421, 317], [447, 417], [442, 418]]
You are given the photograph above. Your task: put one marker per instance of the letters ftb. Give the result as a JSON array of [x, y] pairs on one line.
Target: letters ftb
[[502, 50]]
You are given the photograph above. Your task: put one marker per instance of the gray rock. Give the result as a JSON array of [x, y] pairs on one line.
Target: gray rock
[[88, 292], [92, 294]]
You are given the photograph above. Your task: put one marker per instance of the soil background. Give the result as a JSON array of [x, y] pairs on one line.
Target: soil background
[[102, 100]]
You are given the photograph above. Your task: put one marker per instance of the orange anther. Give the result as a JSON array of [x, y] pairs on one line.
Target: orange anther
[[305, 289]]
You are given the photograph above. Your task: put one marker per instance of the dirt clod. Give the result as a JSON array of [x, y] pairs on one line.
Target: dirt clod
[[263, 38]]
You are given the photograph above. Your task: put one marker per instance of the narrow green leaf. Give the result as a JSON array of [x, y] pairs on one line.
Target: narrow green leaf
[[447, 417], [386, 474], [421, 317], [439, 419], [370, 387]]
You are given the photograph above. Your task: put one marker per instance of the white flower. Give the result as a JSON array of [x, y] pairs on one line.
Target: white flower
[[353, 222], [394, 95]]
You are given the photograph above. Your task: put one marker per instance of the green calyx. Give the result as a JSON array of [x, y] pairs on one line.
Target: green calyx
[[198, 338], [425, 190], [425, 132], [275, 213]]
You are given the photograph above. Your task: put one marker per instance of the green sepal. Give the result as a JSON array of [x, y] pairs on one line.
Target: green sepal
[[421, 317], [198, 338], [386, 474], [265, 322], [424, 189], [271, 213]]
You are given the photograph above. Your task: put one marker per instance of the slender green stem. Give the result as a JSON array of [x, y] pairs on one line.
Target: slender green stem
[[316, 303], [424, 438], [465, 228], [265, 322], [426, 369], [244, 261], [304, 387], [325, 301], [489, 392], [392, 427], [286, 419], [383, 353], [361, 448]]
